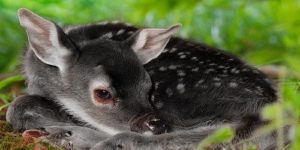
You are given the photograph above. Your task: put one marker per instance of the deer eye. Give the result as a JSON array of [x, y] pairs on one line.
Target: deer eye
[[103, 96]]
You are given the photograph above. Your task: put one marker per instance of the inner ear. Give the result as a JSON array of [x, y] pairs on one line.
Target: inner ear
[[149, 43], [48, 41]]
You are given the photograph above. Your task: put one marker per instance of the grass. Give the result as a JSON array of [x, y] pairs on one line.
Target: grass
[[9, 140], [14, 141]]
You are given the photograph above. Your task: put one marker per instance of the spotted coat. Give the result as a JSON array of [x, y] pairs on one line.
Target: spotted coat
[[192, 82]]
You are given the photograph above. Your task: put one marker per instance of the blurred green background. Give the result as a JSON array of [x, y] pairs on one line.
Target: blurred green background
[[262, 32]]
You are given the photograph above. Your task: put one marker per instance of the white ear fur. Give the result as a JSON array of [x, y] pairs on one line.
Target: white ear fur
[[43, 39], [149, 43]]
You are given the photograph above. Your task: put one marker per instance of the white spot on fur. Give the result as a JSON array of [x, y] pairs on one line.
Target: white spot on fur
[[182, 56], [248, 90], [165, 50], [199, 82], [234, 70], [216, 79], [152, 98], [107, 35], [180, 73], [169, 92], [217, 84], [194, 58], [120, 32], [260, 89], [172, 67], [256, 71], [231, 59], [195, 69], [181, 88], [173, 50], [233, 84], [162, 69], [180, 53], [151, 72], [156, 85], [223, 75], [209, 70], [245, 69]]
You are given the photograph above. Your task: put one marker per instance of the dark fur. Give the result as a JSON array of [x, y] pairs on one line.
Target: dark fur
[[205, 103], [193, 86]]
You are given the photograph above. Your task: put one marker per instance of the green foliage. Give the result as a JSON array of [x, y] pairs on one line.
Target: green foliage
[[7, 97], [6, 82], [224, 134], [14, 141], [263, 32]]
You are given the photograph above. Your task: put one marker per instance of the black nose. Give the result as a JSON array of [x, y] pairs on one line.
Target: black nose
[[149, 122], [157, 125]]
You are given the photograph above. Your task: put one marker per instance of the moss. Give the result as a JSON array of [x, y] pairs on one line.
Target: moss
[[14, 141]]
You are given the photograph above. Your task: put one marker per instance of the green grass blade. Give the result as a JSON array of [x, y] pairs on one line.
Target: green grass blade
[[6, 82]]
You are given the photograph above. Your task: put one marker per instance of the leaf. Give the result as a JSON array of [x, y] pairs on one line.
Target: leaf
[[224, 134], [8, 81]]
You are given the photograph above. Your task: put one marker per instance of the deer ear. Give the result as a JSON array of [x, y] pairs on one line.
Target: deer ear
[[48, 41], [149, 43]]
